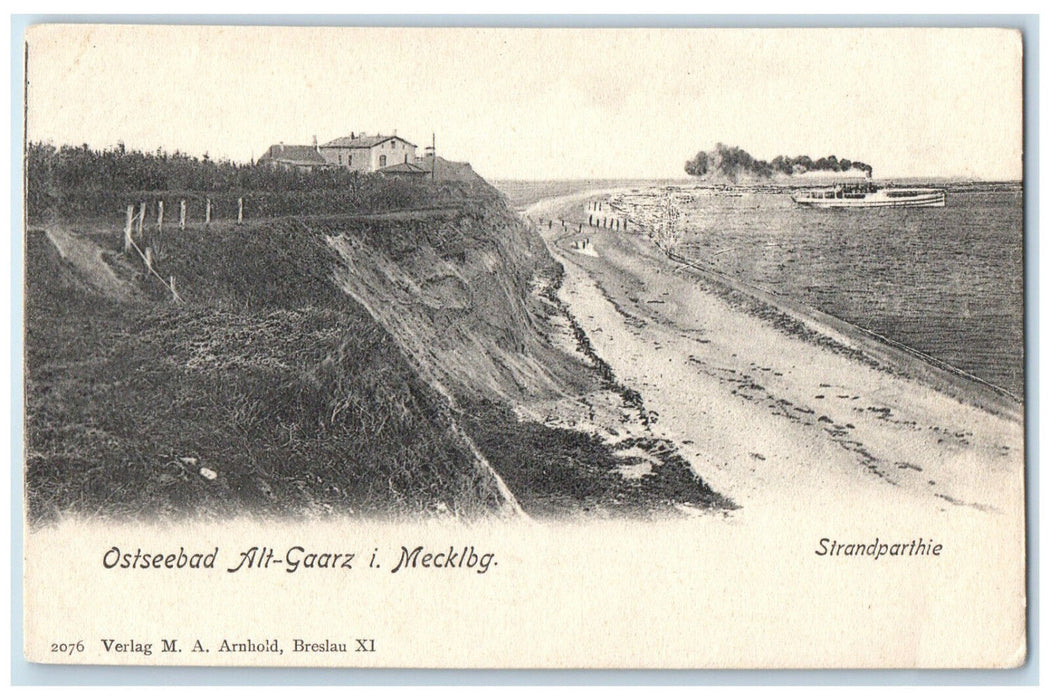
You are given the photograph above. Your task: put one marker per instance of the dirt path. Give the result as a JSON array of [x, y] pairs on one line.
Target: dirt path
[[86, 257], [769, 419]]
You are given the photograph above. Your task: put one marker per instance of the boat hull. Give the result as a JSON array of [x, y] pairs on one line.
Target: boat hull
[[932, 198]]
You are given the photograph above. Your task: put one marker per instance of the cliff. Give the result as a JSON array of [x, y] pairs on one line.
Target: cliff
[[372, 362]]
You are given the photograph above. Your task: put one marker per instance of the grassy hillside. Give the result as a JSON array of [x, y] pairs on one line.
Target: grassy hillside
[[354, 347], [268, 376]]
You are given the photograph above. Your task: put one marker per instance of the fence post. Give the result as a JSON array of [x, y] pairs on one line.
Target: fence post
[[207, 211], [240, 210], [160, 215], [182, 214], [127, 227], [142, 217], [149, 257]]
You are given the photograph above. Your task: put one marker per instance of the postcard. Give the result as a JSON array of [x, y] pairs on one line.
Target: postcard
[[460, 347]]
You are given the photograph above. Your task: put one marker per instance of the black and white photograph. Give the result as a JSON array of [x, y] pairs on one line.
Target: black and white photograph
[[507, 347]]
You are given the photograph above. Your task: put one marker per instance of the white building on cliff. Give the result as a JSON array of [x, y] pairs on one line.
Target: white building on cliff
[[368, 154]]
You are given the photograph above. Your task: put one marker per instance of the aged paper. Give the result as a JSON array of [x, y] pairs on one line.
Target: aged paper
[[524, 348]]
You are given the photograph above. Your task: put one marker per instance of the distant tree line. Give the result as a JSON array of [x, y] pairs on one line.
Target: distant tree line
[[82, 180], [118, 168], [732, 161]]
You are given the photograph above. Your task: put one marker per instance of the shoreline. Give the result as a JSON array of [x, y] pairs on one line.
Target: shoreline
[[832, 407], [890, 354]]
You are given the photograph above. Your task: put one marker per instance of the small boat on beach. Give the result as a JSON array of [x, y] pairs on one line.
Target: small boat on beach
[[868, 195]]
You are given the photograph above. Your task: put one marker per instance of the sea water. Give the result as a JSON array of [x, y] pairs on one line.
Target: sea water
[[948, 281]]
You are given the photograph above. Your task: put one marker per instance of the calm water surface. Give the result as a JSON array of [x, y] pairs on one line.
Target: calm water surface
[[946, 281]]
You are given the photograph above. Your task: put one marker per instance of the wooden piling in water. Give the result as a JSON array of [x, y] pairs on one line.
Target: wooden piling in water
[[240, 210], [207, 211], [142, 217], [160, 214], [182, 214]]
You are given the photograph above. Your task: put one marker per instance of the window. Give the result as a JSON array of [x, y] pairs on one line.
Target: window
[[340, 159], [382, 161], [350, 160]]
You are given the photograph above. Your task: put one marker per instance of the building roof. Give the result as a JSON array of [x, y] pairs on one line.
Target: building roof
[[403, 169], [295, 155], [362, 141]]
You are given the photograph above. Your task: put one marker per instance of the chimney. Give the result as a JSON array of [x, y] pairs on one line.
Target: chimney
[[352, 135], [282, 148], [315, 143]]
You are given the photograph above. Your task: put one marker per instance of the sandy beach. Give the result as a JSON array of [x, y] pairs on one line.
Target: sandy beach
[[819, 433], [775, 418]]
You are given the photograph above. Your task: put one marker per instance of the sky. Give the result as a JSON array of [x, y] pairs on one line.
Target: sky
[[543, 103]]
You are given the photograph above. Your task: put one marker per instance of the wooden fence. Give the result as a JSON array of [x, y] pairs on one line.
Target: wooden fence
[[134, 227]]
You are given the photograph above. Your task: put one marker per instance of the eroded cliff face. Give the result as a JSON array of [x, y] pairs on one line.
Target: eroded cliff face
[[414, 361], [266, 392], [456, 288], [470, 295]]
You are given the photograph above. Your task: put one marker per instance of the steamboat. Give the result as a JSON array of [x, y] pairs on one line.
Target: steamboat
[[869, 195]]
